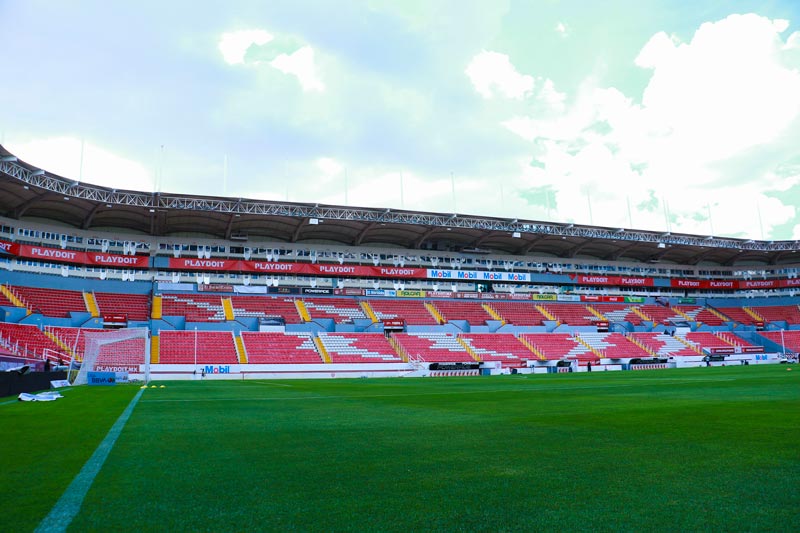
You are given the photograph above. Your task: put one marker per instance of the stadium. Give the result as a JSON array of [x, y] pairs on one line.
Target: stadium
[[400, 266], [348, 292], [273, 291]]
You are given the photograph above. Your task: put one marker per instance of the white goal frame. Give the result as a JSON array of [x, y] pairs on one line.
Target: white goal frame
[[97, 355]]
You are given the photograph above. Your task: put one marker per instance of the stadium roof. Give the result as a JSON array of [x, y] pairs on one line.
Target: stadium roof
[[27, 192]]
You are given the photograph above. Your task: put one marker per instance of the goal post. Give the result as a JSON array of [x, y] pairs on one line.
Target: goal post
[[120, 350]]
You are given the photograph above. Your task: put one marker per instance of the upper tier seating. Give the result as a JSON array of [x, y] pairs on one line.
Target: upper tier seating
[[471, 311], [618, 313], [195, 307], [518, 313], [413, 312], [660, 314], [266, 306], [663, 345], [28, 340], [790, 339], [572, 314], [51, 302], [779, 313], [613, 345], [359, 348], [208, 347], [279, 348], [341, 310], [499, 347], [135, 306], [737, 314], [701, 314], [556, 346], [433, 347]]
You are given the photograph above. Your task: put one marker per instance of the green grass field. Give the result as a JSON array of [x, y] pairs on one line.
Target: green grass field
[[695, 449]]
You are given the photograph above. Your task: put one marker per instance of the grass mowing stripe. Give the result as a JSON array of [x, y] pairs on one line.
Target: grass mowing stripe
[[392, 395], [70, 502]]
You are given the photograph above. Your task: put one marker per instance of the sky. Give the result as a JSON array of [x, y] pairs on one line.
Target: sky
[[645, 114]]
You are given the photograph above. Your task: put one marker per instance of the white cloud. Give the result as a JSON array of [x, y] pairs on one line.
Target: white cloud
[[234, 45], [62, 156], [793, 41], [301, 65], [492, 73], [780, 25], [562, 29], [329, 167], [725, 93]]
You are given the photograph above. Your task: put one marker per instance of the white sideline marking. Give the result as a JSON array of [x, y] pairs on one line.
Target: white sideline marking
[[67, 507]]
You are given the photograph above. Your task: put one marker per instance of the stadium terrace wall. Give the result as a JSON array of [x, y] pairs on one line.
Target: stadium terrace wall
[[257, 371]]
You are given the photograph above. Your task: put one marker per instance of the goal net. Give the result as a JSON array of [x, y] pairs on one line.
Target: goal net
[[124, 351]]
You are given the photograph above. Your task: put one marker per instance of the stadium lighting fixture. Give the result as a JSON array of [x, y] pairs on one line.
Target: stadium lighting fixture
[[313, 221], [516, 235], [66, 198], [108, 205], [25, 187], [662, 245], [152, 210]]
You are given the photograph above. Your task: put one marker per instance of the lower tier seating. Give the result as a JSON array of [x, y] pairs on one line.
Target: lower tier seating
[[30, 341], [613, 345], [504, 348], [789, 339], [663, 345], [359, 348], [202, 347], [555, 346], [279, 348], [433, 347]]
